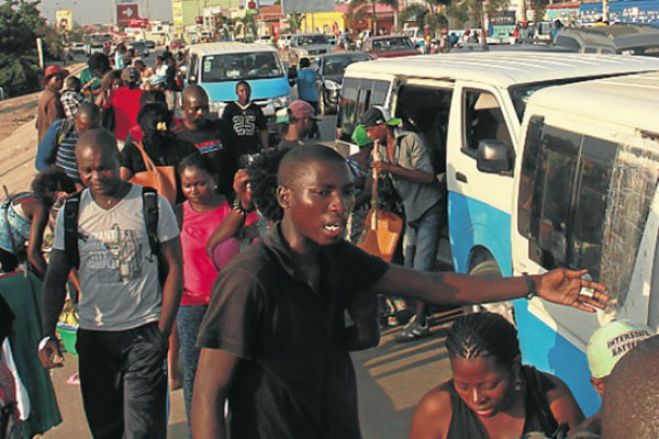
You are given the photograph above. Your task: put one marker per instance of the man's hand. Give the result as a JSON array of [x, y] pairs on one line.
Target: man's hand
[[242, 189], [50, 355], [383, 166], [564, 287]]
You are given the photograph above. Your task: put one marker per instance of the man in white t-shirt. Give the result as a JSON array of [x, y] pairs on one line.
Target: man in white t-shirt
[[125, 315]]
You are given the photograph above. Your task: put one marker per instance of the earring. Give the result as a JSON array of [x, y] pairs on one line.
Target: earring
[[518, 384]]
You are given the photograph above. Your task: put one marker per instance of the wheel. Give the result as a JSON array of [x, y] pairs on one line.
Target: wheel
[[489, 269]]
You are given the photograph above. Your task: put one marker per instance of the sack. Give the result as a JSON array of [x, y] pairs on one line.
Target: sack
[[161, 178]]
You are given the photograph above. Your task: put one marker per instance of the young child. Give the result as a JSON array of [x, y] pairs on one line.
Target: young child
[[201, 213], [71, 97]]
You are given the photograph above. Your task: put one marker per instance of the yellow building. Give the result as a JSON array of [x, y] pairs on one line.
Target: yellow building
[[322, 22]]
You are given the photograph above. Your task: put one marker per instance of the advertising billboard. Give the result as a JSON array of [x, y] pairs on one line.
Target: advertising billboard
[[290, 6], [64, 20]]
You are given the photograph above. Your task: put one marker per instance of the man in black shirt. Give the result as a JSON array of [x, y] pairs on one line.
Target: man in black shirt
[[213, 138], [248, 122], [273, 340]]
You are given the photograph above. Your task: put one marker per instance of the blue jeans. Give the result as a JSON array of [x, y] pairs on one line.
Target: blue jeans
[[421, 239], [188, 321]]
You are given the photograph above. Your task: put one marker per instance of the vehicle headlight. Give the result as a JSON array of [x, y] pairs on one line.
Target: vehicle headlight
[[216, 107], [331, 85], [280, 102]]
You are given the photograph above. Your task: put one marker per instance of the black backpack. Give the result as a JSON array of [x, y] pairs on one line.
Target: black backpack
[[149, 209]]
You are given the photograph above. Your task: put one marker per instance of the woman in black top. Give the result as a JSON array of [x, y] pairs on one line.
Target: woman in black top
[[491, 394], [158, 141]]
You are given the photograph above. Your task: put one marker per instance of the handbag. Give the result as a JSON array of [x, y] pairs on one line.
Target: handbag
[[161, 178]]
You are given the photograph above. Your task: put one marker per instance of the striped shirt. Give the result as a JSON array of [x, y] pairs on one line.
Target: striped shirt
[[65, 156]]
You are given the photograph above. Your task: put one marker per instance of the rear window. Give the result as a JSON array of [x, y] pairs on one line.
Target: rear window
[[307, 40], [231, 67], [391, 44]]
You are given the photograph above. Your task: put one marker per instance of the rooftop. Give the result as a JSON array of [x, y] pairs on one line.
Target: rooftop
[[503, 68]]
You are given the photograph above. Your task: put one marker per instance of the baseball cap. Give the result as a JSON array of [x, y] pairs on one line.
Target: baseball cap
[[360, 136], [52, 71], [611, 342], [378, 115], [300, 109], [130, 74]]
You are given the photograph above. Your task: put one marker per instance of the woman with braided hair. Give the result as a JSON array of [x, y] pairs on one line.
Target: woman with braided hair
[[491, 394]]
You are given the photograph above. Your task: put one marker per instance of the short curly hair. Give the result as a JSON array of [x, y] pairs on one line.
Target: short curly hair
[[263, 181], [50, 180]]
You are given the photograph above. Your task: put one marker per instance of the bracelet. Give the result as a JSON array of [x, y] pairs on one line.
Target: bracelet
[[236, 206], [532, 289]]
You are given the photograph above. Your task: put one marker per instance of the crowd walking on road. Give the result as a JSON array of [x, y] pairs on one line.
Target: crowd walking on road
[[201, 251]]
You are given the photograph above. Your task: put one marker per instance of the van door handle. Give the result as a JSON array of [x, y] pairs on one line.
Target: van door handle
[[461, 177]]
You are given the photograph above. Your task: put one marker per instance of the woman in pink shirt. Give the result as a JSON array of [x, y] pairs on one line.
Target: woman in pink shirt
[[201, 213]]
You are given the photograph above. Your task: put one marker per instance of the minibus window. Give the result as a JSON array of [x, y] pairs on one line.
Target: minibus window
[[591, 189], [483, 120], [347, 111], [529, 167]]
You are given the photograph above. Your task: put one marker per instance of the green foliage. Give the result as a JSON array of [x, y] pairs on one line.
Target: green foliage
[[540, 8], [19, 24], [469, 12]]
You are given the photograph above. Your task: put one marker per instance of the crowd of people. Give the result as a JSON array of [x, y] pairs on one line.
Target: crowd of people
[[204, 255]]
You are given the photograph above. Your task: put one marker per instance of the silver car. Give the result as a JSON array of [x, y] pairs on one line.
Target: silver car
[[308, 46]]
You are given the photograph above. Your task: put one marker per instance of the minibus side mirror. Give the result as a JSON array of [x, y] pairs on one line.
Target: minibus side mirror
[[292, 75], [495, 156]]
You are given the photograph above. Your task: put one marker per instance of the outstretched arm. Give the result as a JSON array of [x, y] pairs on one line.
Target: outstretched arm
[[173, 285], [559, 286]]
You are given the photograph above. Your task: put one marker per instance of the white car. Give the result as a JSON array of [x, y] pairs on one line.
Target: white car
[[264, 39]]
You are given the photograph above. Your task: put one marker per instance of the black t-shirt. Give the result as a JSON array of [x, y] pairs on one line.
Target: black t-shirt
[[246, 123], [218, 142], [170, 153], [295, 378]]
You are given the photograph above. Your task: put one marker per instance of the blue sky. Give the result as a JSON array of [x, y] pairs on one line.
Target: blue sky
[[102, 11]]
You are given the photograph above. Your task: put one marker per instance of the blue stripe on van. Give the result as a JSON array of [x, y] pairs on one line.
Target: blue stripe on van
[[547, 350], [473, 223], [261, 89]]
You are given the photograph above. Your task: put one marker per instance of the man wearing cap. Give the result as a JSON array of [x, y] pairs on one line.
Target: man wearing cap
[[605, 348], [405, 158], [50, 107], [301, 117]]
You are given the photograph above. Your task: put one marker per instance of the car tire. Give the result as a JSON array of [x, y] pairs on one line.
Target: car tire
[[490, 269]]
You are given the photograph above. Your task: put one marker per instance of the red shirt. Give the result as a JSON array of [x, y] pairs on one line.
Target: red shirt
[[126, 104]]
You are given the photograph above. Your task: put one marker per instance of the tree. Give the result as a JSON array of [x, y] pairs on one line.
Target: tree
[[19, 67], [431, 13], [471, 11]]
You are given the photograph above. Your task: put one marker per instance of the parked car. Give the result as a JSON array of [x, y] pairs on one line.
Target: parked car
[[264, 39], [308, 46], [389, 46], [176, 45], [621, 39], [140, 48], [331, 68], [78, 47], [150, 44]]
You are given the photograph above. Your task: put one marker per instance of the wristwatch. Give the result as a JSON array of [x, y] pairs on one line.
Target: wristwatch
[[532, 289]]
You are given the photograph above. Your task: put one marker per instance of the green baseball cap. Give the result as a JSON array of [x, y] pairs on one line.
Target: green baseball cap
[[611, 342], [360, 136]]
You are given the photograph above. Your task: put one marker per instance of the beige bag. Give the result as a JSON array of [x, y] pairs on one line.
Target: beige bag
[[161, 178]]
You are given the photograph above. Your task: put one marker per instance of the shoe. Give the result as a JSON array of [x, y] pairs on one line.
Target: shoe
[[413, 331]]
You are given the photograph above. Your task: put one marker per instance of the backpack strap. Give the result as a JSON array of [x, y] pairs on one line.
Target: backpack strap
[[150, 210], [71, 213]]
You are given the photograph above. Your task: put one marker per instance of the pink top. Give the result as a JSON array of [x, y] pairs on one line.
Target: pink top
[[199, 272]]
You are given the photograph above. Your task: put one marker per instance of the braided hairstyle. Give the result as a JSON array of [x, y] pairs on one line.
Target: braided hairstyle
[[263, 181], [483, 334]]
